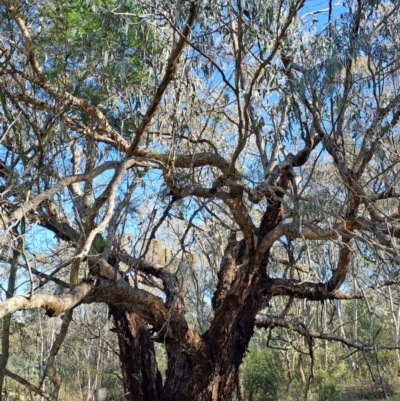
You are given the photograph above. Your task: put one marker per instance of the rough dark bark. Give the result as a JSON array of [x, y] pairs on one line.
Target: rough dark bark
[[209, 372], [141, 377], [227, 272], [187, 374], [215, 377], [197, 373], [229, 358]]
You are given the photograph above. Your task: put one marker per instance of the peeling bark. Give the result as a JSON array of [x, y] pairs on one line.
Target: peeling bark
[[227, 272]]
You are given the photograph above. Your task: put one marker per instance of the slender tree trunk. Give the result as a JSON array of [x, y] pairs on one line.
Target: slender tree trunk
[[343, 334], [326, 350], [5, 336], [50, 370], [302, 375], [396, 323], [396, 336]]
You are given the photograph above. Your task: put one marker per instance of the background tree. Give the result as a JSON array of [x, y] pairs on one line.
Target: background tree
[[256, 143]]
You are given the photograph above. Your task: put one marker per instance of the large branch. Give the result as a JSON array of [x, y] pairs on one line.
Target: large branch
[[233, 256], [169, 75], [169, 323], [365, 155], [171, 284], [384, 233], [182, 161], [363, 224], [267, 321], [28, 385], [54, 305], [242, 218], [297, 230], [89, 291], [38, 199], [308, 290], [186, 161], [342, 267], [150, 307], [65, 96], [61, 229]]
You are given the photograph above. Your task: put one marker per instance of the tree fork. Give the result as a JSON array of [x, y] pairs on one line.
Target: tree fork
[[216, 379]]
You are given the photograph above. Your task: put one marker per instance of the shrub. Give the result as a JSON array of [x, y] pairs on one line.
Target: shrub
[[262, 375]]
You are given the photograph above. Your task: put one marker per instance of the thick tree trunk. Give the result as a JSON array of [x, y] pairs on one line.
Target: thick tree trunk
[[141, 377], [215, 376], [208, 372], [211, 375]]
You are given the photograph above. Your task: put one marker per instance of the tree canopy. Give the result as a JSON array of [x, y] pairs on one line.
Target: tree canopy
[[199, 167]]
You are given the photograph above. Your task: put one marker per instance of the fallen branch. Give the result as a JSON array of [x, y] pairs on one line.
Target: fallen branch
[[25, 383]]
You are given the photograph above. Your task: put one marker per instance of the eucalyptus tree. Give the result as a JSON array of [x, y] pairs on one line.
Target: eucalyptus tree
[[236, 133]]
